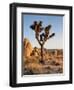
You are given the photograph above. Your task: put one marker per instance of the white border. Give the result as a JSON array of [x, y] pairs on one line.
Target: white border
[[49, 77]]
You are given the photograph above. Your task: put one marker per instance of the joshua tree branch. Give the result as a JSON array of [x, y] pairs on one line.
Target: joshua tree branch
[[38, 39], [51, 35], [48, 38]]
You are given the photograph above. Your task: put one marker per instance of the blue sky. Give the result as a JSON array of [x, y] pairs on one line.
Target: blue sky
[[57, 27]]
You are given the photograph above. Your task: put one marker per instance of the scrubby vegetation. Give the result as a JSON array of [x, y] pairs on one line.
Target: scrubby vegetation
[[53, 62]]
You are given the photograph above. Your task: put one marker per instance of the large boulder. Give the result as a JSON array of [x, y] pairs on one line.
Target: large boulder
[[27, 48], [35, 52]]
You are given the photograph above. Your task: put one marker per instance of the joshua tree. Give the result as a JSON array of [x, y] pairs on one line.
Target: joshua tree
[[41, 34]]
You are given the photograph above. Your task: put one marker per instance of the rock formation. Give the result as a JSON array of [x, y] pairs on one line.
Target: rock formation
[[27, 48]]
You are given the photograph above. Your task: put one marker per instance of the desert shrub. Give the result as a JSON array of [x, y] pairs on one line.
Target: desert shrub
[[60, 70], [33, 68]]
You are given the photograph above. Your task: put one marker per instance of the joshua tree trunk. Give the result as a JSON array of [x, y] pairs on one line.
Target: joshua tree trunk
[[41, 53], [41, 44]]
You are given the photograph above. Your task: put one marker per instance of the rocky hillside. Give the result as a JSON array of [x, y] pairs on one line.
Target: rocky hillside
[[52, 58]]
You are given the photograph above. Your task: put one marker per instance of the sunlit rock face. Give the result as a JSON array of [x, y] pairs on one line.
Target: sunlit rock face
[[27, 48]]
